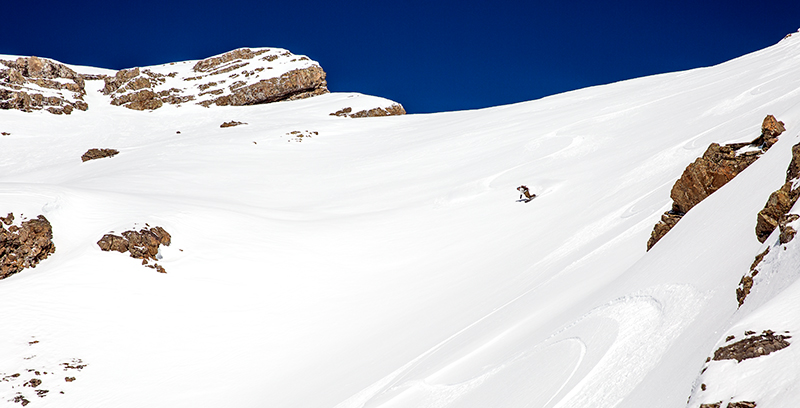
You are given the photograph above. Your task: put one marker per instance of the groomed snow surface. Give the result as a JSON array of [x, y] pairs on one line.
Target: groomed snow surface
[[384, 262]]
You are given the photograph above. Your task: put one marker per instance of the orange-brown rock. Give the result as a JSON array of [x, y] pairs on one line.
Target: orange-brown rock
[[707, 174], [24, 246], [143, 244], [717, 166], [771, 127], [232, 124]]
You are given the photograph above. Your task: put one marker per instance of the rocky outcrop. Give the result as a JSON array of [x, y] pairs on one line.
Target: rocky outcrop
[[240, 77], [232, 124], [738, 404], [392, 110], [293, 85], [92, 154], [32, 83], [781, 201], [753, 346], [143, 244], [24, 246], [718, 165], [787, 231], [746, 283]]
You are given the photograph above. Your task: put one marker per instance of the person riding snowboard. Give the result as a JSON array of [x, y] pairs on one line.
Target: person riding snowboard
[[524, 192]]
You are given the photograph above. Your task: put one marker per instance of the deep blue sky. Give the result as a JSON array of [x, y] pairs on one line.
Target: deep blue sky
[[429, 55]]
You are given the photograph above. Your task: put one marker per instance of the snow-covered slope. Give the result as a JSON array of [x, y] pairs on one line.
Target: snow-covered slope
[[384, 262]]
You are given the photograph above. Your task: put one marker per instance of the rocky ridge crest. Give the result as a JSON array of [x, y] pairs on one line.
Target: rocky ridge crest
[[240, 77], [33, 83]]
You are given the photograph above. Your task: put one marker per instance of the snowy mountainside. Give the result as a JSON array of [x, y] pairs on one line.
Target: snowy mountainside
[[384, 262]]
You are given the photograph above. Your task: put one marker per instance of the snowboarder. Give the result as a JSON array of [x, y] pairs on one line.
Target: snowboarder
[[524, 192]]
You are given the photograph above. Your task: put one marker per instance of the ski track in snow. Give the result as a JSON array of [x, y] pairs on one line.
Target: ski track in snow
[[586, 358]]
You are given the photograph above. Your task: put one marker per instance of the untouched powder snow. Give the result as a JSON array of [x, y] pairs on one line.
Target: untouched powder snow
[[384, 262]]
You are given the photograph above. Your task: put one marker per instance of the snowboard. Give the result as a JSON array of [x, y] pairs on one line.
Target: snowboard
[[526, 200]]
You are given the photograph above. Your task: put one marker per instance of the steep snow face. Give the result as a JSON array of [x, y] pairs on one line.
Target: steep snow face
[[384, 262]]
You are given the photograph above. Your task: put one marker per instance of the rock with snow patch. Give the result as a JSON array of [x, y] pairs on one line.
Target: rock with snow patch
[[752, 347], [240, 77], [781, 200], [142, 244], [746, 283], [391, 110], [32, 83], [24, 246]]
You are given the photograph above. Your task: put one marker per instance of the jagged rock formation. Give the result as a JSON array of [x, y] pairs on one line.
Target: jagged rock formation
[[707, 174], [143, 244], [34, 83], [232, 124], [752, 347], [738, 404], [239, 77], [24, 246], [781, 201], [92, 154], [394, 109], [746, 283]]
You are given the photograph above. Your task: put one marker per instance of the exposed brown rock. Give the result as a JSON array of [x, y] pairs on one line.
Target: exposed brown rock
[[231, 124], [771, 127], [717, 166], [713, 405], [394, 109], [142, 89], [33, 383], [746, 283], [20, 399], [752, 347], [707, 174], [787, 232], [343, 112], [210, 64], [793, 171], [668, 220], [296, 84], [142, 244], [92, 154], [24, 246], [780, 201], [22, 81], [742, 404]]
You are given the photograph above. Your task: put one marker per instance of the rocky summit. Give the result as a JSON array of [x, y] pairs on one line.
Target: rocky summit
[[32, 83], [240, 77]]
